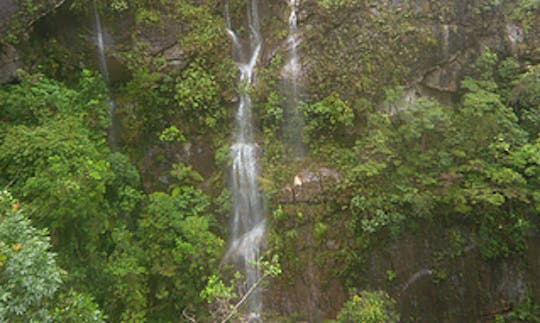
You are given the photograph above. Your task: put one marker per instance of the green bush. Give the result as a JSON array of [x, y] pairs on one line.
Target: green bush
[[369, 307]]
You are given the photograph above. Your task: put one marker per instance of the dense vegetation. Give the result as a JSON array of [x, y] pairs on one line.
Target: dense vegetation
[[85, 238]]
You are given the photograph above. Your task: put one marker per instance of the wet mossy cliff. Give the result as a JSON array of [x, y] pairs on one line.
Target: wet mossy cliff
[[419, 171]]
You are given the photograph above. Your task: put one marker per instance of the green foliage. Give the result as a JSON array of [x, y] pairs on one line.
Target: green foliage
[[185, 175], [500, 234], [75, 307], [185, 93], [180, 251], [526, 11], [17, 22], [206, 31], [171, 134], [278, 213], [327, 119], [336, 4], [320, 230], [54, 156], [122, 190], [147, 257], [470, 163], [404, 151], [222, 298], [369, 307], [141, 114], [390, 275], [196, 93], [215, 288], [146, 17], [29, 276], [527, 311], [527, 161], [524, 98], [37, 100], [128, 286], [119, 5], [61, 171], [58, 157], [357, 48], [53, 57], [272, 113]]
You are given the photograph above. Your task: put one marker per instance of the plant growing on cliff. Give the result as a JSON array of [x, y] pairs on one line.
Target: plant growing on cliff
[[327, 119], [225, 304], [526, 311], [368, 307]]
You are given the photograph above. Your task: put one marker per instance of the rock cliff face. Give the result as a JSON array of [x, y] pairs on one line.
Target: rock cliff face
[[16, 20], [425, 44], [455, 32], [16, 16], [429, 282], [347, 51], [471, 289], [9, 62]]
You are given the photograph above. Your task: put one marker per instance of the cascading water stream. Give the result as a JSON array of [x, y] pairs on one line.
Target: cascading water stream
[[100, 45], [113, 133], [248, 224], [292, 69], [294, 120]]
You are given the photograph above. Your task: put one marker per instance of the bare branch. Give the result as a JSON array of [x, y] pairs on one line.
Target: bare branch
[[244, 298], [12, 181], [188, 317]]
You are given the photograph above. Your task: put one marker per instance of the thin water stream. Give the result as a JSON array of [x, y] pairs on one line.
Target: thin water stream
[[114, 131], [293, 119], [248, 224]]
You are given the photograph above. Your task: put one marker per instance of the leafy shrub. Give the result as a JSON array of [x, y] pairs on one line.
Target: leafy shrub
[[369, 307], [327, 118]]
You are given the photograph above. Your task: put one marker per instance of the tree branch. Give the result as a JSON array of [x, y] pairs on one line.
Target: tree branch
[[12, 181], [188, 317], [244, 298]]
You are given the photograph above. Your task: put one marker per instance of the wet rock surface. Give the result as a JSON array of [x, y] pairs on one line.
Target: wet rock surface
[[428, 284], [156, 164], [310, 186], [9, 62]]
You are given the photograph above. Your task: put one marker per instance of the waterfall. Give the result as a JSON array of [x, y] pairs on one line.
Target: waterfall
[[294, 120], [100, 45], [113, 133], [292, 69], [248, 224]]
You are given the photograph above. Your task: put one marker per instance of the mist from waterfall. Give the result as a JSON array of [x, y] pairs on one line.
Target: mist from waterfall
[[248, 224]]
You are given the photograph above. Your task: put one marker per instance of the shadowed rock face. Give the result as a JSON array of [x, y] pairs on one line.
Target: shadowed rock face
[[8, 9], [310, 186], [9, 62], [427, 288], [16, 19], [15, 22]]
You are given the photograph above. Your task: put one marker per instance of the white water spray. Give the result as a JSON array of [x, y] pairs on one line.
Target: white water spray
[[248, 224]]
